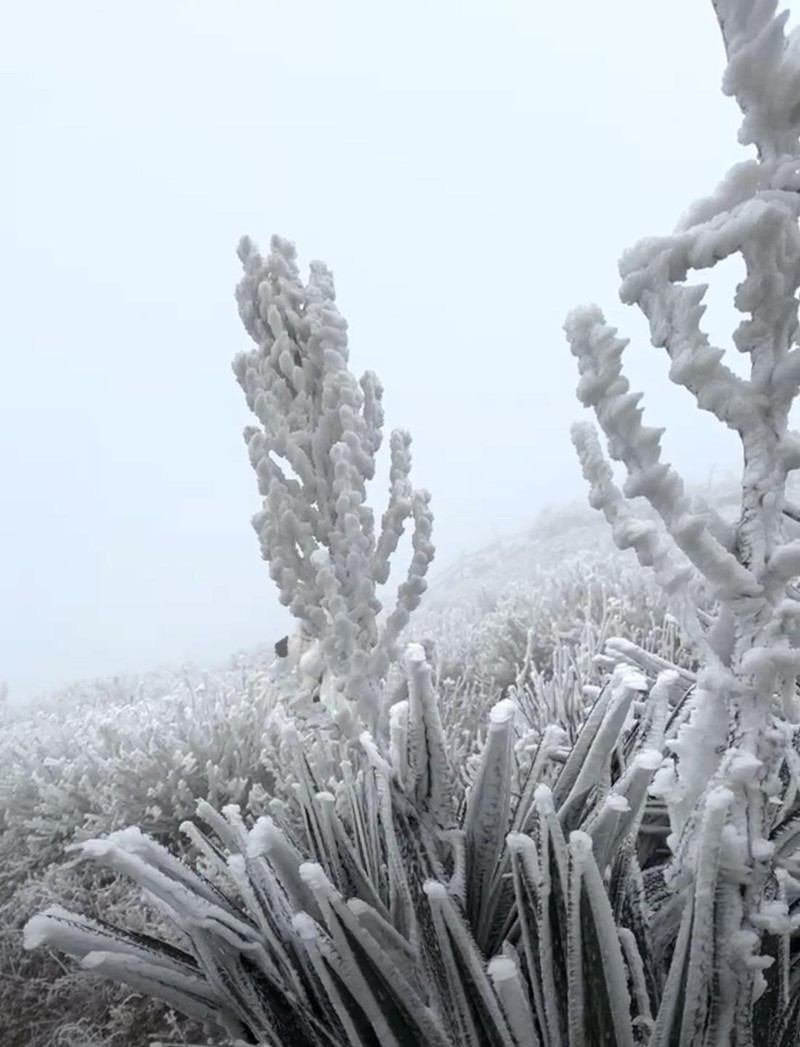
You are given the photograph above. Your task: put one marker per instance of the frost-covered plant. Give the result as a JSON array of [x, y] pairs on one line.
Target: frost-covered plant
[[387, 900], [530, 619], [314, 455], [55, 791], [427, 889], [725, 785], [45, 1002], [91, 760], [109, 757], [364, 911]]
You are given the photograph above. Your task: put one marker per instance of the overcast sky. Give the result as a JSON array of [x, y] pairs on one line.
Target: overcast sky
[[470, 171]]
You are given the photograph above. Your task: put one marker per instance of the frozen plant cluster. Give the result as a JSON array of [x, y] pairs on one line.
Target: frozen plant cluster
[[93, 759], [540, 632], [363, 908], [66, 769], [142, 758], [623, 869], [730, 763]]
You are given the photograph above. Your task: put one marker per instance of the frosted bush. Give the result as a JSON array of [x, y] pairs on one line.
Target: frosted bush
[[725, 784], [92, 760], [96, 793], [143, 757], [384, 878], [409, 869], [314, 455], [541, 631], [376, 906], [45, 1002]]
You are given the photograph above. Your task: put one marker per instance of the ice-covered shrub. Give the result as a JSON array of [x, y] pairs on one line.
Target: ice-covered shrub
[[45, 1002], [389, 898], [91, 760], [62, 1005], [87, 767], [725, 785], [55, 998], [314, 455], [363, 910]]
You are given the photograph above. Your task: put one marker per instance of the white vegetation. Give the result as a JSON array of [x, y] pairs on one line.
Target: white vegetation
[[314, 456], [601, 848], [736, 747], [136, 742]]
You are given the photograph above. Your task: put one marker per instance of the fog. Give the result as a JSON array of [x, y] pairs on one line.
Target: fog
[[469, 171]]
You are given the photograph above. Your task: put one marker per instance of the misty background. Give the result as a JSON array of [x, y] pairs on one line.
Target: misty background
[[469, 171]]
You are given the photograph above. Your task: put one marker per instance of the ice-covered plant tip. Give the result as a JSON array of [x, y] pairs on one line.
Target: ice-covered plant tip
[[411, 886], [730, 783], [314, 454]]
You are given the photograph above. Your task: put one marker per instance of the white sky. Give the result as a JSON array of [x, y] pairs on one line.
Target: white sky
[[470, 171]]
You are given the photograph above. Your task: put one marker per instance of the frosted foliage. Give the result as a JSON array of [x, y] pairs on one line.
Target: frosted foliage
[[533, 616], [378, 900], [314, 454], [466, 877], [736, 745]]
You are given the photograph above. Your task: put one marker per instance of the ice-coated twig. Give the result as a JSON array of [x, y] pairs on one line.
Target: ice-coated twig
[[603, 387], [650, 544]]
